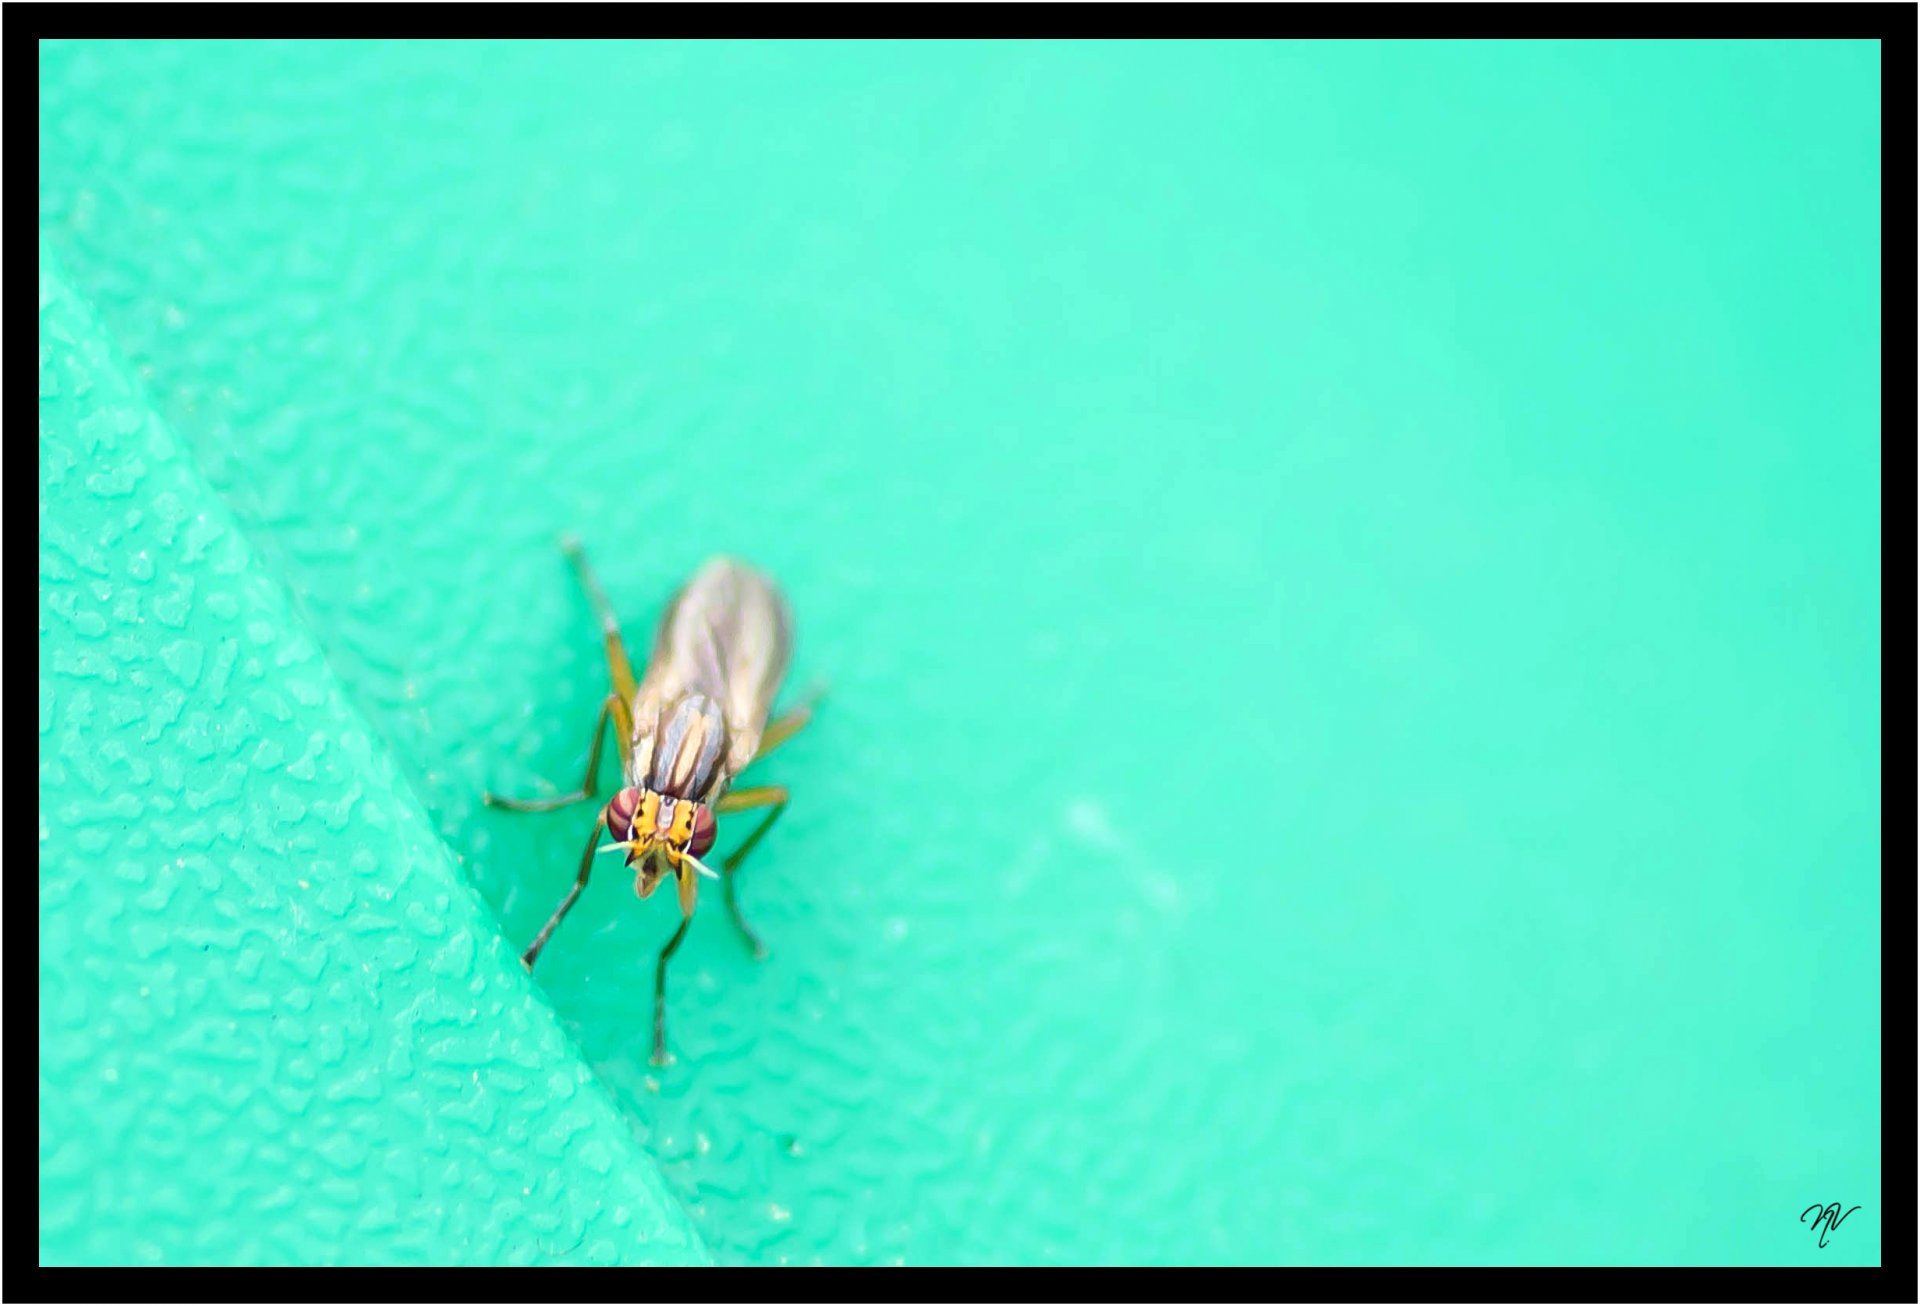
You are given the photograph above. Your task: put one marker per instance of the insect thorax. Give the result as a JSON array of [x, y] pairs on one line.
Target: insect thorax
[[679, 748]]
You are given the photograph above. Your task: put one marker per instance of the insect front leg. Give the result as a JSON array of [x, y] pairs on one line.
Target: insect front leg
[[532, 953], [608, 707], [742, 800], [660, 1057]]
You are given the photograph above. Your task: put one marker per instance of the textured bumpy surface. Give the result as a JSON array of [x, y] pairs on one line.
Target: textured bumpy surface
[[275, 1026], [1347, 575]]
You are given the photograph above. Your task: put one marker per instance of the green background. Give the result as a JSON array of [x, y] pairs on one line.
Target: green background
[[1347, 574]]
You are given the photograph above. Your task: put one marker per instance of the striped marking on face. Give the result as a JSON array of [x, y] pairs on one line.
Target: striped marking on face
[[675, 823], [644, 815]]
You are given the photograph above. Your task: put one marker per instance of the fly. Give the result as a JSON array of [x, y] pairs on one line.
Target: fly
[[693, 722]]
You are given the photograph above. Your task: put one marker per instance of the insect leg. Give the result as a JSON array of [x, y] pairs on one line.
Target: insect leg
[[618, 668], [780, 731], [532, 953], [740, 800], [609, 705], [660, 1057]]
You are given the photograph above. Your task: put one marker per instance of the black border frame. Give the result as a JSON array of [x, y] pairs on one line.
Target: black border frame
[[1892, 25]]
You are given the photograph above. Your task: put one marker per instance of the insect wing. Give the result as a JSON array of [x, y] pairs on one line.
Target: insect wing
[[722, 651]]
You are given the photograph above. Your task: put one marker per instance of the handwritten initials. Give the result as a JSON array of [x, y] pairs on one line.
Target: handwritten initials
[[1826, 1219]]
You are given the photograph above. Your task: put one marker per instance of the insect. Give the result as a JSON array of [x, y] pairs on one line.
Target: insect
[[693, 722]]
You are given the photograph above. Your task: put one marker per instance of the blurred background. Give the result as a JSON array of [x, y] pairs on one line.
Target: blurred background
[[1346, 574]]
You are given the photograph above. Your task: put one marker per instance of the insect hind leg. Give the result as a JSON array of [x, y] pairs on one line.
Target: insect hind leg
[[786, 727], [619, 668]]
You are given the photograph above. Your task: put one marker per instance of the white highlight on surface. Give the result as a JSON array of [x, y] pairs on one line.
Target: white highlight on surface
[[1088, 822]]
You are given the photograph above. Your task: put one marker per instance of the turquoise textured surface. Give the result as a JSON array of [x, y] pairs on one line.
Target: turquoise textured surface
[[275, 1026], [1348, 576]]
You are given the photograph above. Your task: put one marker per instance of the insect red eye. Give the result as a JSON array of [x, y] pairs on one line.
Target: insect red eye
[[620, 814], [703, 832]]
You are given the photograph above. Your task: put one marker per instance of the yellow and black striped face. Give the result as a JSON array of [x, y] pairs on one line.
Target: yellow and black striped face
[[645, 821]]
